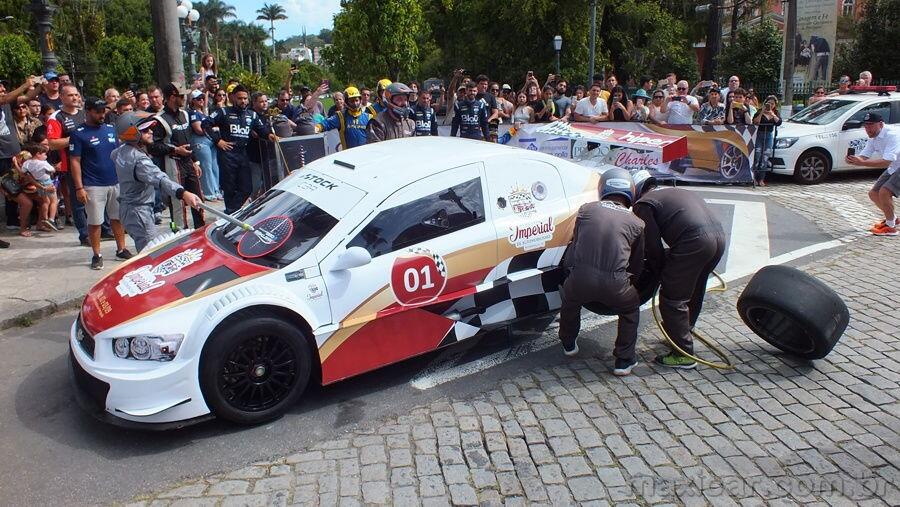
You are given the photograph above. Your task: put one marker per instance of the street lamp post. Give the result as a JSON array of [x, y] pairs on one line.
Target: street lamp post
[[43, 16], [190, 16], [557, 45]]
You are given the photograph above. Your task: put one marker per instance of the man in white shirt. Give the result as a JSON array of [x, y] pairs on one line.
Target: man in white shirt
[[591, 108], [887, 142], [681, 106]]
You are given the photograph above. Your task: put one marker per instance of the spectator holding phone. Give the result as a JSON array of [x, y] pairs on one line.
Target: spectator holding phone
[[619, 106], [738, 113], [767, 119], [681, 106], [523, 114], [659, 113]]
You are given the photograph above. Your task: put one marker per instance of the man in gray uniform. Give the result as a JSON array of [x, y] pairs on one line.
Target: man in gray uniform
[[605, 258], [696, 243], [139, 177]]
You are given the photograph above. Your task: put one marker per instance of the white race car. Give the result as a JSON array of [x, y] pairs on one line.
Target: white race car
[[362, 259], [815, 141]]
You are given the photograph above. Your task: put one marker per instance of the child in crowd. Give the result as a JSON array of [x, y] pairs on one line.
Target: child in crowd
[[41, 172]]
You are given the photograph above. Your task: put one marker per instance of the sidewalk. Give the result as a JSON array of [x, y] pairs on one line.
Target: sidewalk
[[775, 431]]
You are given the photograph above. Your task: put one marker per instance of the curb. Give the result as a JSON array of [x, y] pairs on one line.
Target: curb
[[67, 303]]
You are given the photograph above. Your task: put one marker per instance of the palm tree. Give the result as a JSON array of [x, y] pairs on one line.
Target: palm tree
[[271, 13], [212, 13]]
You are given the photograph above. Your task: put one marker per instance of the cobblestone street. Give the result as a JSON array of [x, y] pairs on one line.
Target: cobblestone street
[[774, 431]]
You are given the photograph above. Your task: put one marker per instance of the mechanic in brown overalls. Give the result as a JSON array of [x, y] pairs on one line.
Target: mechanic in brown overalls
[[605, 258], [696, 243], [393, 122]]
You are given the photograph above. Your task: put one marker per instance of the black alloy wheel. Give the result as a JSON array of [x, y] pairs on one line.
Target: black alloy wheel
[[254, 368]]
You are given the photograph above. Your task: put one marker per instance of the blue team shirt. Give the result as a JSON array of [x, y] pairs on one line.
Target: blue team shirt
[[94, 144]]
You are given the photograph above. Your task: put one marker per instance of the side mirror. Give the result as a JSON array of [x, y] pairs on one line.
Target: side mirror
[[852, 124], [353, 257]]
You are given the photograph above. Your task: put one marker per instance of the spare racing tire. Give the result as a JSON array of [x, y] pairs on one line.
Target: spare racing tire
[[793, 311]]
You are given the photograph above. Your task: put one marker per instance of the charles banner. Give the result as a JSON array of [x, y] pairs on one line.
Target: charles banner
[[716, 154]]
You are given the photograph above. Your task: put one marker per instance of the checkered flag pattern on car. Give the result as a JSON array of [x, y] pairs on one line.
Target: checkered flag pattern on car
[[525, 284], [747, 133]]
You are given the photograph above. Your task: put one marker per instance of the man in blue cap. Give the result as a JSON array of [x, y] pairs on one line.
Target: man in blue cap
[[50, 91], [884, 140]]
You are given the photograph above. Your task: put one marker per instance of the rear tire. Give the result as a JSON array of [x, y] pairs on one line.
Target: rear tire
[[793, 311], [254, 368]]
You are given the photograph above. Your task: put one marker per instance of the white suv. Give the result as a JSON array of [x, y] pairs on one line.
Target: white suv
[[815, 141]]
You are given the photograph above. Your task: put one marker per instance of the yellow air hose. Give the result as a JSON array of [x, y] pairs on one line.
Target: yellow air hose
[[726, 365]]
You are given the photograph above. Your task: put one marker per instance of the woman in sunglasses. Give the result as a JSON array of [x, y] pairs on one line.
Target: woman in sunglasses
[[203, 148], [659, 114], [818, 95]]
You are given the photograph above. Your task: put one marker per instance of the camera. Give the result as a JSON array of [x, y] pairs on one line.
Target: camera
[[851, 152], [677, 98]]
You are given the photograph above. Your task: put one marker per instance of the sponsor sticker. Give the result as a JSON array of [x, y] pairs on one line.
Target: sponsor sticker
[[521, 201], [313, 291], [418, 277], [147, 277], [531, 235]]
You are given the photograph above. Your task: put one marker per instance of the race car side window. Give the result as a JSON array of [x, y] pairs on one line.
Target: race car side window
[[428, 217]]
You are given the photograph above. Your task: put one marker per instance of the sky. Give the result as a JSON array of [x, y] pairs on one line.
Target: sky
[[312, 14]]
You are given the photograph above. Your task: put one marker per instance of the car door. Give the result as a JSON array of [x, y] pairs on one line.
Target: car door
[[430, 244], [533, 221], [853, 135]]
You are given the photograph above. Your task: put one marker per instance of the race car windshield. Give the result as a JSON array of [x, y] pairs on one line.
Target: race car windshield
[[303, 223], [822, 112]]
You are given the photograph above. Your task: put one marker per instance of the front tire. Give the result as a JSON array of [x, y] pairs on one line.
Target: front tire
[[255, 368], [812, 168]]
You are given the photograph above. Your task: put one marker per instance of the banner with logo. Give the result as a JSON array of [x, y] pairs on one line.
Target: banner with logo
[[715, 154]]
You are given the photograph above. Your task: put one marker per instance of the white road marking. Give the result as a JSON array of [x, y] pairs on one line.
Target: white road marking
[[748, 252], [748, 245]]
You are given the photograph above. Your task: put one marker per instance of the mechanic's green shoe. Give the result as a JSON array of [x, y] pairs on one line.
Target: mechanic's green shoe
[[675, 360]]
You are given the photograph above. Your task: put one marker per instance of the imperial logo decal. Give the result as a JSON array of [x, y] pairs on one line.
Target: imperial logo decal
[[146, 278], [418, 277], [531, 235]]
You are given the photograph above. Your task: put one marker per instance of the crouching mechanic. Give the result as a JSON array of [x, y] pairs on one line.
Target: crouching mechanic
[[139, 177], [696, 243], [602, 263], [393, 122], [229, 128], [884, 140]]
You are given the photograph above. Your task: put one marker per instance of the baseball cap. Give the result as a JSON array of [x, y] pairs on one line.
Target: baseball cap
[[507, 87], [50, 76], [94, 104], [872, 118], [304, 89], [196, 94], [174, 89]]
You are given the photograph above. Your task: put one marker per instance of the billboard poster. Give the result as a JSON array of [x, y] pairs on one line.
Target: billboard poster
[[814, 43]]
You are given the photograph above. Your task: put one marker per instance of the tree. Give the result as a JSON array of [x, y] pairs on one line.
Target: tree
[[878, 30], [375, 39], [271, 13], [212, 14], [126, 60], [755, 55], [18, 59]]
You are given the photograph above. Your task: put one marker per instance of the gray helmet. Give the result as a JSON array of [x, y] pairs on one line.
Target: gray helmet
[[397, 89], [130, 125], [617, 181], [643, 181]]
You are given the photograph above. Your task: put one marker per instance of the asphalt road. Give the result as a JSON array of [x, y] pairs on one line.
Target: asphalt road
[[53, 453]]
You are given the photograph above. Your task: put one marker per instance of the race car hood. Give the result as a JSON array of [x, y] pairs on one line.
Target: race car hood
[[183, 269]]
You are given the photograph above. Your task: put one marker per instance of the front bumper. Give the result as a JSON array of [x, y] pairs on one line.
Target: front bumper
[[135, 394]]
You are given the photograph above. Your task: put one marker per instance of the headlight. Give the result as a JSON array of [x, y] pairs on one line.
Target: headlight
[[785, 142], [148, 348]]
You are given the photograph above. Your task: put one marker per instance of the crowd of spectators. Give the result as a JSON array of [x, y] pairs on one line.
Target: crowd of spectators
[[222, 144]]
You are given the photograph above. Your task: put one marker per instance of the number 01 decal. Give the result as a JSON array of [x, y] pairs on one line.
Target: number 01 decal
[[418, 277]]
